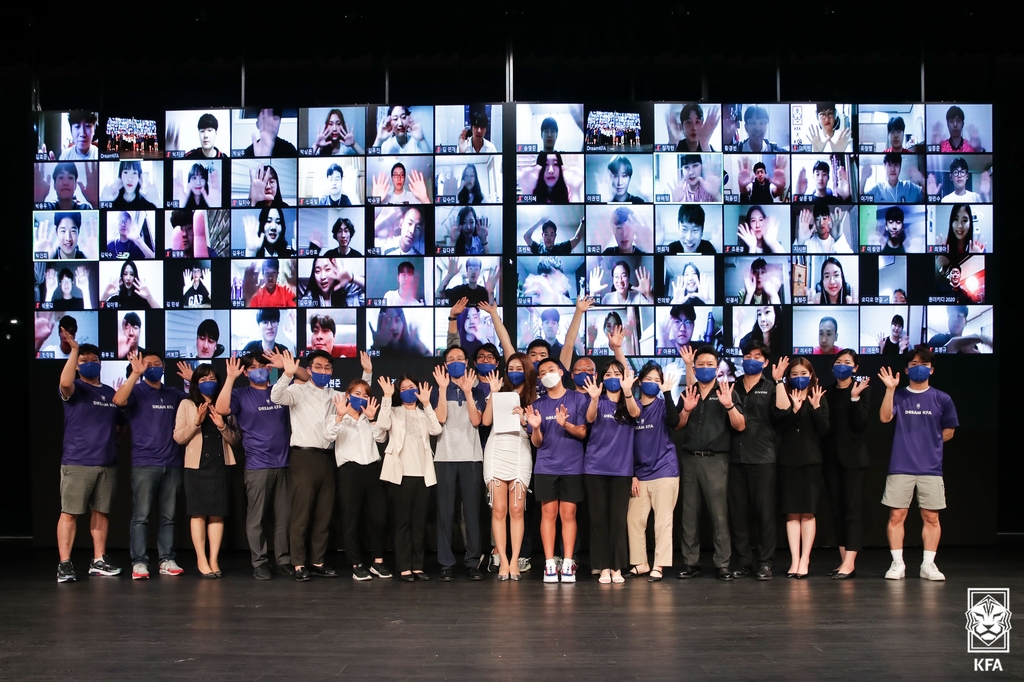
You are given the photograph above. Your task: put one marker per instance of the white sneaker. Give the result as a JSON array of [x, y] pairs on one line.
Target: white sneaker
[[897, 571], [524, 563], [170, 567], [569, 571], [929, 571], [550, 573], [140, 571]]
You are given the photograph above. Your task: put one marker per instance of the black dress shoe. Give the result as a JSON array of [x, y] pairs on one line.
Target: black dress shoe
[[407, 577], [301, 574], [446, 575], [764, 573], [833, 572], [792, 575], [474, 574], [801, 576], [741, 572], [282, 569], [322, 571], [690, 572], [724, 574], [844, 576], [421, 576]]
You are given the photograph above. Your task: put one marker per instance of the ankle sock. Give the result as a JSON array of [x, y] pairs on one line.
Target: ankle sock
[[897, 555]]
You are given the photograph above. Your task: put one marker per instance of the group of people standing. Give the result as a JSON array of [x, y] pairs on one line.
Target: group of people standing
[[768, 444]]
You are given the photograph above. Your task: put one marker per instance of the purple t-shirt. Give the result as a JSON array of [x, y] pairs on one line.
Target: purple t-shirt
[[610, 448], [265, 428], [560, 454], [90, 426], [151, 413], [920, 419], [654, 454]]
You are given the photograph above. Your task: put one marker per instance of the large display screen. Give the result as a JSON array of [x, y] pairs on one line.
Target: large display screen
[[812, 227]]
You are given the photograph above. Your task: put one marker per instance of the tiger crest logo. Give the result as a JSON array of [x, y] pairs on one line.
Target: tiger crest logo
[[988, 620]]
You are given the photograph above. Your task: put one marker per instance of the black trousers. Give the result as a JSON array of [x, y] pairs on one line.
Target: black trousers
[[468, 477], [608, 502], [312, 477], [752, 507], [409, 501], [363, 497], [846, 496]]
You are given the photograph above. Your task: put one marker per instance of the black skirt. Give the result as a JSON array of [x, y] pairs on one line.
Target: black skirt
[[799, 489], [207, 492]]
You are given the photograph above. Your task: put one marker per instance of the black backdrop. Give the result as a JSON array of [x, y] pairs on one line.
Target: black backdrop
[[181, 57]]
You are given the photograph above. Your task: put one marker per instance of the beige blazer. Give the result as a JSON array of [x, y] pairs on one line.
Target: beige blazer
[[393, 430], [191, 436]]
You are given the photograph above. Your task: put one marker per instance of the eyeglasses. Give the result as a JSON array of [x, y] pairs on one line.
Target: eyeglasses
[[958, 173], [485, 357]]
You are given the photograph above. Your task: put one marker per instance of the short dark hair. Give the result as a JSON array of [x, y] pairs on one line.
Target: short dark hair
[[825, 106], [922, 353], [549, 264], [894, 213], [619, 163], [490, 348], [959, 309], [759, 264], [830, 319], [274, 263], [65, 273], [144, 353], [955, 266], [181, 217], [249, 358], [550, 314], [547, 224], [852, 353], [706, 349], [133, 319], [549, 124], [209, 328], [406, 265], [322, 321], [478, 119], [821, 165], [953, 112], [398, 165], [683, 311], [208, 121], [546, 360], [68, 324], [690, 108], [65, 167], [452, 347], [755, 112], [73, 216], [754, 344], [322, 354], [268, 315], [895, 124], [343, 224], [821, 208], [760, 165], [78, 115], [88, 349], [959, 162], [538, 342], [687, 159], [897, 319], [692, 213], [893, 157], [334, 168]]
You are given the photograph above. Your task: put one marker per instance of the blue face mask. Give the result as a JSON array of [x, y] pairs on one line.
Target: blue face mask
[[612, 384], [89, 370], [842, 372], [456, 369], [650, 388], [705, 375], [208, 388], [259, 375], [536, 366], [357, 403], [919, 373], [581, 378], [516, 378], [800, 383], [752, 366], [153, 374], [409, 395], [321, 379], [482, 368]]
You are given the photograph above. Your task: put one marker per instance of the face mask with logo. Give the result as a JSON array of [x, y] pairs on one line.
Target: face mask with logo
[[516, 378], [456, 369], [482, 368], [612, 384], [259, 375], [550, 380], [800, 383], [321, 379], [153, 374], [208, 388], [89, 370], [752, 366], [705, 375], [650, 388], [581, 378], [842, 372], [409, 395], [357, 403], [919, 373]]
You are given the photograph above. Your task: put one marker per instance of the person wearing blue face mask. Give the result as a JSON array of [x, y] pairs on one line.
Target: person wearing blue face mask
[[459, 459], [264, 425], [802, 418], [88, 476], [925, 419], [150, 408], [845, 459], [752, 466], [312, 466], [208, 438], [709, 419], [608, 468], [408, 467]]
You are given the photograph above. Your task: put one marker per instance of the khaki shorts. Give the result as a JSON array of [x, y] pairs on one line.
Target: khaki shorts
[[899, 490], [83, 488]]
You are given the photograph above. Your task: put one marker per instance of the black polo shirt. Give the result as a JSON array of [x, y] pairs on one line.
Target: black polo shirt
[[708, 427], [756, 443]]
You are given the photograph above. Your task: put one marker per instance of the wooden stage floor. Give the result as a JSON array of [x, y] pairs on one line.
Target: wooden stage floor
[[237, 628]]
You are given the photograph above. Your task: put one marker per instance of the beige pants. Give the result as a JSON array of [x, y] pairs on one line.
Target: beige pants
[[661, 495]]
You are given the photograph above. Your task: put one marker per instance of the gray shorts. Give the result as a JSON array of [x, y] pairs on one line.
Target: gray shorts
[[899, 490], [83, 488]]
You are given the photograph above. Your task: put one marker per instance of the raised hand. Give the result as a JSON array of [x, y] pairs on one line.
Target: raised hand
[[488, 307], [711, 118], [135, 360], [592, 388], [985, 185], [365, 362], [204, 408], [690, 396], [483, 228], [415, 129], [340, 405], [51, 283], [43, 182], [797, 398], [815, 397], [424, 395], [275, 358], [933, 188], [843, 182], [746, 235], [805, 225], [842, 136], [321, 137], [882, 336], [43, 328], [234, 368], [290, 363], [441, 377], [584, 303], [371, 408], [218, 420], [687, 355], [628, 379], [533, 417], [671, 379], [386, 386], [494, 381], [418, 186], [465, 382], [801, 182], [725, 393], [184, 371], [69, 339], [643, 286], [745, 175], [780, 178], [253, 240], [779, 370], [891, 381], [45, 238], [561, 415], [859, 387], [674, 126], [596, 285], [258, 177], [616, 338], [381, 185], [816, 136]]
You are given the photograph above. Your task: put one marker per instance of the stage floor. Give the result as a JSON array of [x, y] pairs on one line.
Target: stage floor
[[237, 628]]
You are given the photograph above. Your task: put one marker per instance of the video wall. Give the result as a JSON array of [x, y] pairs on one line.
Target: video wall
[[810, 226]]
